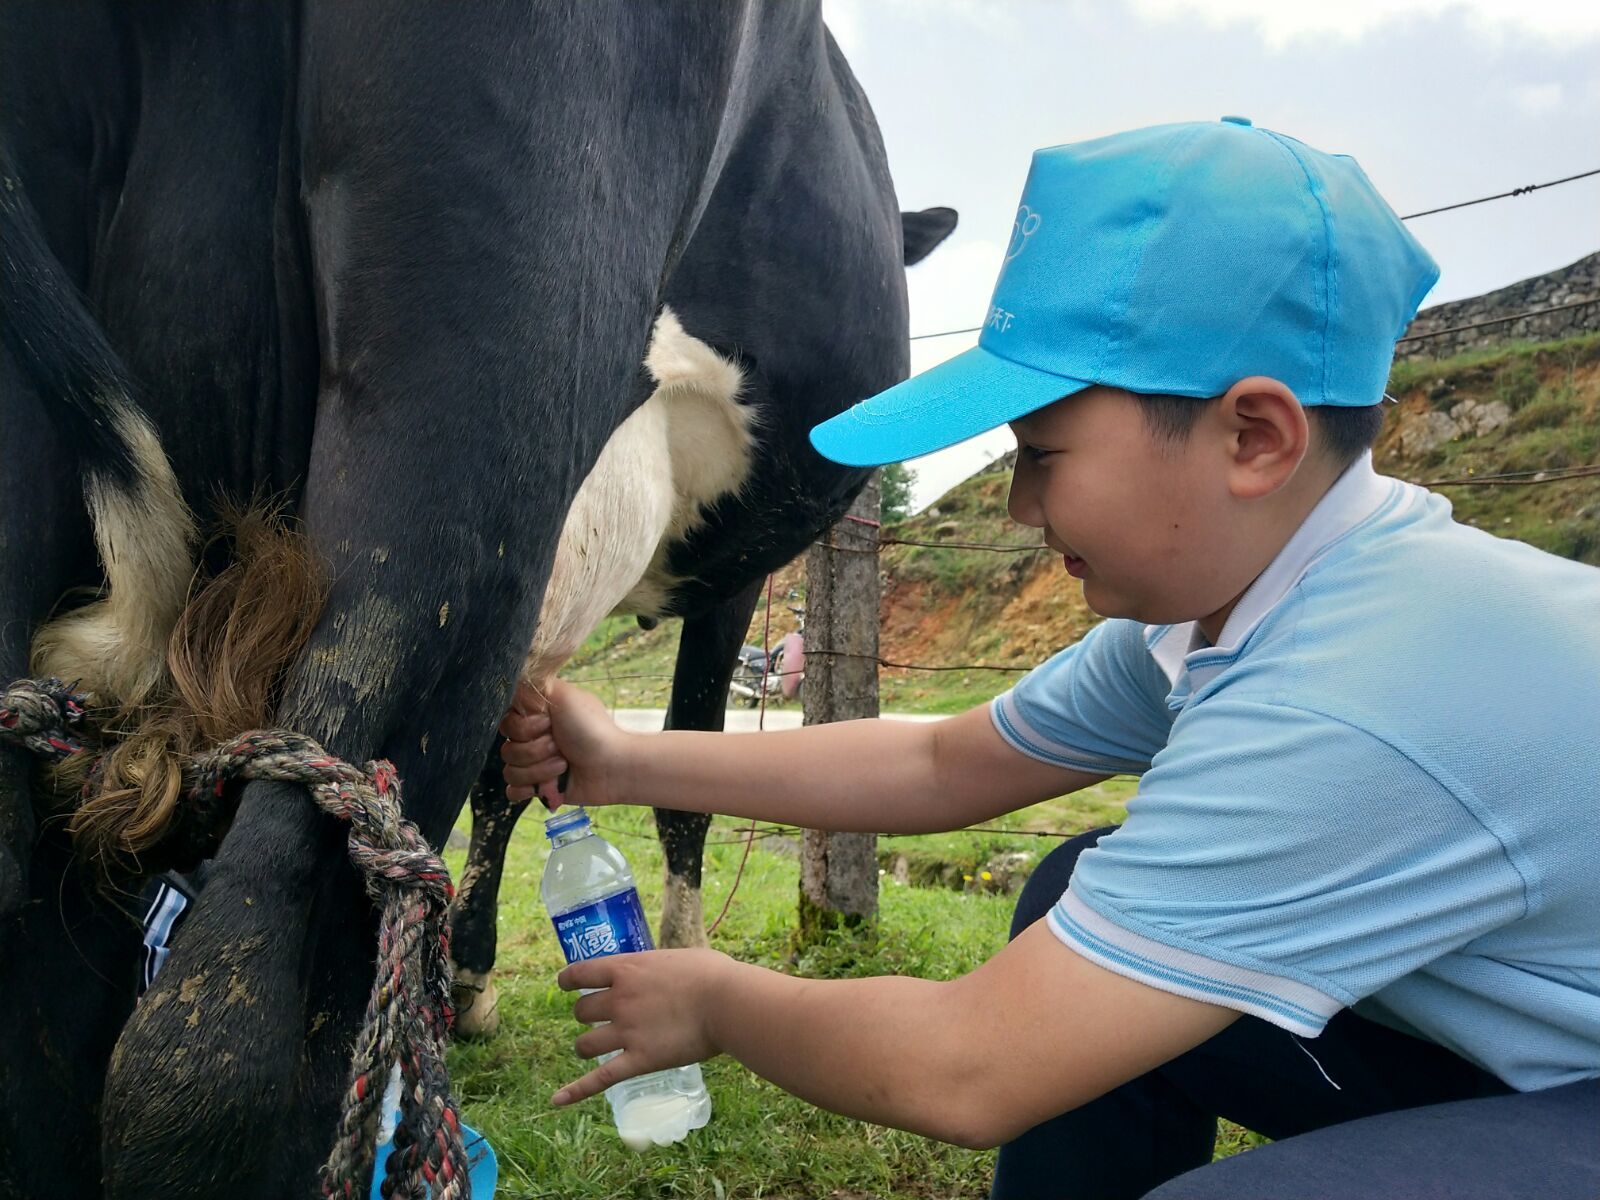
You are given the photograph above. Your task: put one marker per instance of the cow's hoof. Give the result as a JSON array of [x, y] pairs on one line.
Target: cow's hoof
[[477, 1005]]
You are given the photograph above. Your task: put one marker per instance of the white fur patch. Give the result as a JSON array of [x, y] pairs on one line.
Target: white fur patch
[[683, 448], [115, 647]]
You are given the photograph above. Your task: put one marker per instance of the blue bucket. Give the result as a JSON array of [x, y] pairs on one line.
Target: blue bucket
[[482, 1169]]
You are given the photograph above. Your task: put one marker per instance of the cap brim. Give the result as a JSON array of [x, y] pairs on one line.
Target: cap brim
[[958, 399]]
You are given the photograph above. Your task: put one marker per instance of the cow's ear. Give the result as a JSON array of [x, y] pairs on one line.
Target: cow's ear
[[924, 230]]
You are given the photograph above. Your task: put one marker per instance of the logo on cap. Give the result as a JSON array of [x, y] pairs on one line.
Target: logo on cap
[[1021, 230]]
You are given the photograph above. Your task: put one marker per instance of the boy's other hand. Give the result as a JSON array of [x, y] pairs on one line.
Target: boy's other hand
[[654, 1008], [564, 730]]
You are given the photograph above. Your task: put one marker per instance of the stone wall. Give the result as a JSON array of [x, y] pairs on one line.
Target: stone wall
[[1580, 281]]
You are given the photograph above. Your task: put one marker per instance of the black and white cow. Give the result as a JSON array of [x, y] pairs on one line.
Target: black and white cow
[[400, 265]]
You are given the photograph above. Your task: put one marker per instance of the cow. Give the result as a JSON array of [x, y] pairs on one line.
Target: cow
[[399, 267]]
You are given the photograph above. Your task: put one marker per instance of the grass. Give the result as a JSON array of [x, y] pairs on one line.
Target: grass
[[1551, 391], [1509, 368], [761, 1142]]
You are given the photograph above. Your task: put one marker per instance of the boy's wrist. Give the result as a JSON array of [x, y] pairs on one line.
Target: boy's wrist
[[625, 757], [720, 985]]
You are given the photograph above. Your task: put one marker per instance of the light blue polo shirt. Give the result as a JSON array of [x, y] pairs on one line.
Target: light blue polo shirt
[[1379, 790]]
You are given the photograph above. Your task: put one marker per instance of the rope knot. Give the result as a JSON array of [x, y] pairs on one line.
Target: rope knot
[[409, 1014], [40, 715]]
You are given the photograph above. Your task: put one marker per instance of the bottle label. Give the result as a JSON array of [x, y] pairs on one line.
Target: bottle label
[[615, 925]]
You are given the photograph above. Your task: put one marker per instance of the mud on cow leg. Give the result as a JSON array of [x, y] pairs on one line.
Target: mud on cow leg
[[474, 916], [707, 651], [683, 839]]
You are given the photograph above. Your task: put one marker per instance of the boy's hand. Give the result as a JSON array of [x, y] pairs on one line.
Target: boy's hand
[[655, 1003], [565, 729]]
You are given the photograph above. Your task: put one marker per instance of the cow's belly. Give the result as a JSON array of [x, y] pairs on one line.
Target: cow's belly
[[682, 449]]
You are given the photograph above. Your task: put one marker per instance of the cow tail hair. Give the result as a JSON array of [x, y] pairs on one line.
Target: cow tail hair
[[227, 660], [111, 648]]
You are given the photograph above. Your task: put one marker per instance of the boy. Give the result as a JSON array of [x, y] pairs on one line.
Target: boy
[[1366, 735]]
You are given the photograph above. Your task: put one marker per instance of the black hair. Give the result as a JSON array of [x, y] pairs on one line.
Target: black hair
[[1345, 434]]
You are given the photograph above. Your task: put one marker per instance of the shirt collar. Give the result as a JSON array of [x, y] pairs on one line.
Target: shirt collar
[[1182, 649]]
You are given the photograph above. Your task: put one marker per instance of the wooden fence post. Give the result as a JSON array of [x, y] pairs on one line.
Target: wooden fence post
[[839, 871]]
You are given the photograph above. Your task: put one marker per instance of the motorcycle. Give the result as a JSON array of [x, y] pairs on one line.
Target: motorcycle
[[778, 674]]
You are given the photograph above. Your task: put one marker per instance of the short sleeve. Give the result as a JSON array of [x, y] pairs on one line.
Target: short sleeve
[[1282, 863], [1097, 706]]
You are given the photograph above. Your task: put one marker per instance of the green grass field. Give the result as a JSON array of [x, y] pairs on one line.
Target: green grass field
[[761, 1142]]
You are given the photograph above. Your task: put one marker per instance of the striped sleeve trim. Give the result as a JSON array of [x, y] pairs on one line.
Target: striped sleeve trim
[[1286, 1003], [1014, 728]]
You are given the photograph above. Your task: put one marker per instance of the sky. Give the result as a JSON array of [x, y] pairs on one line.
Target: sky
[[1438, 101]]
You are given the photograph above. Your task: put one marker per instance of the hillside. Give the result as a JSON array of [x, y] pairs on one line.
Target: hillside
[[1526, 408]]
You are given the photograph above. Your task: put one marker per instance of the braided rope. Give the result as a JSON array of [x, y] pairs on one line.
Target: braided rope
[[408, 1013], [39, 715]]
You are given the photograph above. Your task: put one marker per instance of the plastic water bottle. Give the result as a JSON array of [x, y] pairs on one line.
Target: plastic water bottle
[[589, 893]]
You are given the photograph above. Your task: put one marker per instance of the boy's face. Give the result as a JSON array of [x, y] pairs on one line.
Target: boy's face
[[1142, 522]]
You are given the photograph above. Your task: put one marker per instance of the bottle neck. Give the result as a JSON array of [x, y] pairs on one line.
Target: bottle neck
[[567, 836]]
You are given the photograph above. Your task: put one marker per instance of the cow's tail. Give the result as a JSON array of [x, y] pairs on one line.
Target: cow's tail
[[173, 662], [114, 648]]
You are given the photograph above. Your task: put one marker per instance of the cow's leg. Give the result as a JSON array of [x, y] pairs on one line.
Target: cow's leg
[[228, 1077], [474, 917], [488, 241], [707, 651]]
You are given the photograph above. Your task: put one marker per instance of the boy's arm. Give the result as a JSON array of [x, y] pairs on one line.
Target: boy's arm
[[873, 776], [1035, 1032]]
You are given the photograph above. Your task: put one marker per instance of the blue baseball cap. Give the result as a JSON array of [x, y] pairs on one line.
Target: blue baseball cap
[[1173, 260]]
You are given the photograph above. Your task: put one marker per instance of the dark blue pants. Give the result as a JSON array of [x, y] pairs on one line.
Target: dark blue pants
[[1409, 1119]]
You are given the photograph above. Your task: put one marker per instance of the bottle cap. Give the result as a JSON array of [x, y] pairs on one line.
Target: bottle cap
[[572, 819]]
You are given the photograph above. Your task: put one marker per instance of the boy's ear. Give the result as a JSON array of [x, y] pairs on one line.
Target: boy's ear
[[1267, 433]]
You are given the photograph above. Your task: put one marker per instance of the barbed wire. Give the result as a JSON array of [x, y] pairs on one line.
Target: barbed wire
[[1518, 478], [1012, 547], [1517, 191], [613, 678], [900, 666], [1536, 312], [762, 833]]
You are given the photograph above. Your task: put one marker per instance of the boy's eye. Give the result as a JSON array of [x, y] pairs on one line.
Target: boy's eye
[[1035, 453]]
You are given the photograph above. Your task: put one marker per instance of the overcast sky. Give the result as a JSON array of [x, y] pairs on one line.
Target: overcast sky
[[1439, 102]]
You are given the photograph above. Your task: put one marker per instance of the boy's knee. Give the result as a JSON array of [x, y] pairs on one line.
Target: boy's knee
[[1050, 877]]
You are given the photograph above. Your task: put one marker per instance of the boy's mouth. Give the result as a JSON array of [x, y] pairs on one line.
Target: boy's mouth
[[1075, 566]]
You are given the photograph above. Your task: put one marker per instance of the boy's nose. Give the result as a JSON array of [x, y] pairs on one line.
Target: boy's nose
[[1023, 502]]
